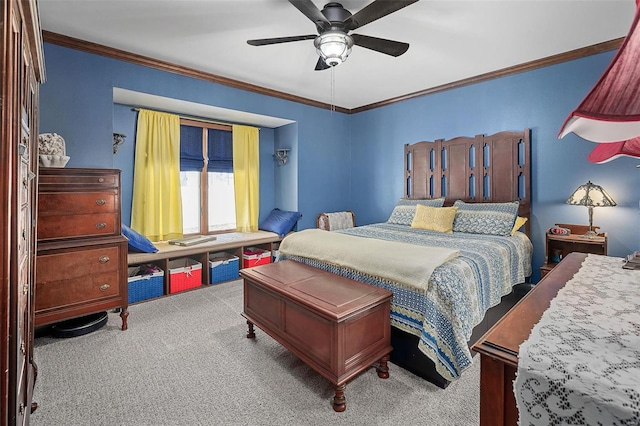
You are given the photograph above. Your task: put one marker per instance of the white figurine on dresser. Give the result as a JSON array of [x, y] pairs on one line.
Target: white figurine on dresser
[[52, 150]]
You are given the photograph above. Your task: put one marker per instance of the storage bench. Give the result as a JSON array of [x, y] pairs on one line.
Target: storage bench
[[337, 326], [231, 243]]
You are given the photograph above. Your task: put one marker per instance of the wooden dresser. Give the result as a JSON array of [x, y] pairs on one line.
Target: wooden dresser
[[499, 347], [82, 255], [22, 72]]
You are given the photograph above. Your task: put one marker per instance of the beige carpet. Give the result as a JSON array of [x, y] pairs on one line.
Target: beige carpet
[[185, 360]]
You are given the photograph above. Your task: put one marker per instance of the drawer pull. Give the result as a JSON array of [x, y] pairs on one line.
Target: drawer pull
[[101, 225], [104, 287], [104, 259], [101, 180], [25, 288], [101, 201]]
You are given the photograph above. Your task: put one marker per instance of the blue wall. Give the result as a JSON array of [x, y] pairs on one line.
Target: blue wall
[[340, 161], [76, 102], [286, 176], [539, 100]]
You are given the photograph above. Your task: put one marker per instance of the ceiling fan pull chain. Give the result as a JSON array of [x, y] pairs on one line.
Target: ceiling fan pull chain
[[333, 89]]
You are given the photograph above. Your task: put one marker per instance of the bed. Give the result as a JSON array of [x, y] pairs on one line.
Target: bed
[[433, 323]]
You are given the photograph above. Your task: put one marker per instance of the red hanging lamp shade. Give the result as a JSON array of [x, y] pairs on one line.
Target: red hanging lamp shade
[[611, 111], [605, 152]]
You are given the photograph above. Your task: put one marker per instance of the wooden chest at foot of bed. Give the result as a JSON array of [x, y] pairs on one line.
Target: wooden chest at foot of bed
[[337, 326]]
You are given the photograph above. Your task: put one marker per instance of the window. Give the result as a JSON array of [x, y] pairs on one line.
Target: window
[[206, 176]]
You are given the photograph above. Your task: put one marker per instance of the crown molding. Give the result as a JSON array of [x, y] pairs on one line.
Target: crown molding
[[98, 49], [516, 69]]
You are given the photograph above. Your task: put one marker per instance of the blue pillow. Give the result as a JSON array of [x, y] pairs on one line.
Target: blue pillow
[[485, 218], [405, 210], [138, 242], [280, 221]]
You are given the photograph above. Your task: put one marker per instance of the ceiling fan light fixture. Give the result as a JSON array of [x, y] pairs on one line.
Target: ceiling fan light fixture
[[333, 46]]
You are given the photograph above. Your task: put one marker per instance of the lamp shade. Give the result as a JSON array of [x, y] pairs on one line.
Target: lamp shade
[[591, 195], [611, 110], [605, 152]]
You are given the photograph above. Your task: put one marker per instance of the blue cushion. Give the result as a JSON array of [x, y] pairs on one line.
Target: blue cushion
[[280, 221], [485, 218], [138, 242], [405, 210]]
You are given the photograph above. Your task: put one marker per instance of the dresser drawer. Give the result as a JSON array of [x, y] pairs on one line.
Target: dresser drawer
[[77, 290], [77, 263], [77, 178], [72, 203], [81, 225]]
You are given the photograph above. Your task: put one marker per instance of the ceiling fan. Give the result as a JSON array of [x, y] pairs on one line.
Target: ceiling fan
[[333, 42]]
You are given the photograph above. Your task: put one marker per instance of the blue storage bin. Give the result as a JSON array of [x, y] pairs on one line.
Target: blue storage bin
[[145, 282], [223, 267]]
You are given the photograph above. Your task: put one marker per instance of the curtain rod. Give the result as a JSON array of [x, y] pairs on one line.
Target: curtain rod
[[190, 117]]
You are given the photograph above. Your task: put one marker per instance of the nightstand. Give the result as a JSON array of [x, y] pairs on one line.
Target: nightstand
[[558, 246]]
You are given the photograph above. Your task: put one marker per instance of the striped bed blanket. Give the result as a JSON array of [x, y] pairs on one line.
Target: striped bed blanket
[[458, 293]]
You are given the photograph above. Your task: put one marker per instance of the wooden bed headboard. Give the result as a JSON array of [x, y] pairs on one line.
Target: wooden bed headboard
[[495, 168]]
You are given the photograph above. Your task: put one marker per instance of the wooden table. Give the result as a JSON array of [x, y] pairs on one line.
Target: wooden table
[[499, 347], [337, 326]]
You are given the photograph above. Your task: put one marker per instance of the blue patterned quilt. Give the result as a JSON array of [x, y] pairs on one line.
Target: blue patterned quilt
[[459, 292]]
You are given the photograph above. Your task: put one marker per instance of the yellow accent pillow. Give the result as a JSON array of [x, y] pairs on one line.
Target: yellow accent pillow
[[439, 219], [520, 221]]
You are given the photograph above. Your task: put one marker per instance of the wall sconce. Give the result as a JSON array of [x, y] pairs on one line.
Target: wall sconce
[[118, 139], [281, 156]]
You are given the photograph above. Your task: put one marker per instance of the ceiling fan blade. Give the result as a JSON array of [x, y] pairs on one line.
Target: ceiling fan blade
[[375, 10], [321, 65], [382, 45], [276, 40], [312, 12]]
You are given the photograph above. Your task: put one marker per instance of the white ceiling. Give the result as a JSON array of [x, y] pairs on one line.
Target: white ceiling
[[449, 40]]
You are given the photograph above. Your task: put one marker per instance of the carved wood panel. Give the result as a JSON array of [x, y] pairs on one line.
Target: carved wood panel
[[494, 168]]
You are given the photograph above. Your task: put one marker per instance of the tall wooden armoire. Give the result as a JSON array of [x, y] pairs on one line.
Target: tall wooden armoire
[[22, 71]]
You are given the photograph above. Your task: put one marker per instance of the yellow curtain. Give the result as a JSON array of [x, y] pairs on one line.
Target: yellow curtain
[[246, 177], [156, 210]]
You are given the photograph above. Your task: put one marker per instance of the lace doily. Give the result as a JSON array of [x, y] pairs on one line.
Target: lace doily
[[581, 363]]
